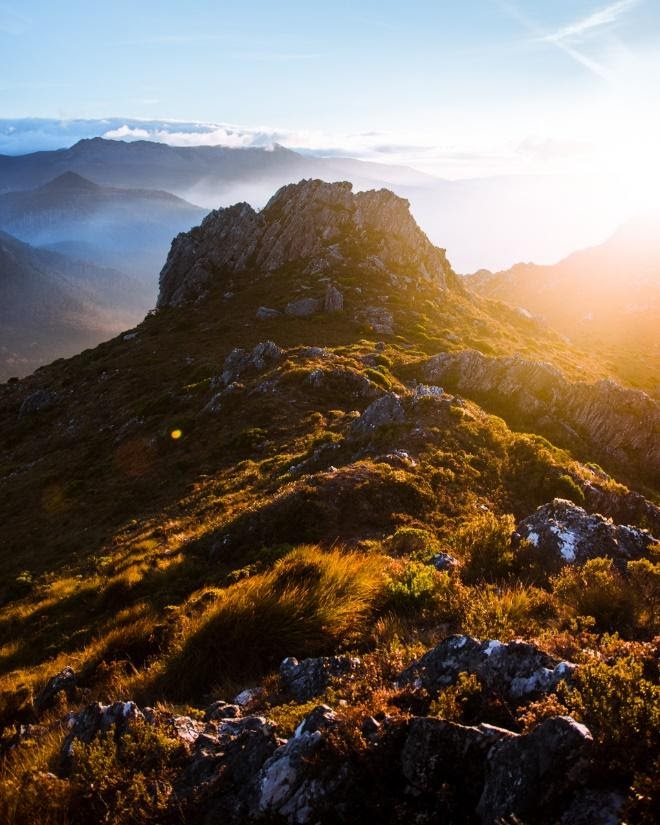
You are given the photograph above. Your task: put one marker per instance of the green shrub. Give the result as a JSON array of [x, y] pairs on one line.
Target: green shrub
[[484, 545], [617, 601], [621, 708], [417, 589], [415, 542]]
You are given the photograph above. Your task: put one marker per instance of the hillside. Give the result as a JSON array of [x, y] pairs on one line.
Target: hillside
[[126, 228], [606, 298], [53, 306], [318, 541]]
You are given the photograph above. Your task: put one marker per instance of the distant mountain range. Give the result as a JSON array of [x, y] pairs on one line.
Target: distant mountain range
[[130, 229], [479, 221], [52, 305]]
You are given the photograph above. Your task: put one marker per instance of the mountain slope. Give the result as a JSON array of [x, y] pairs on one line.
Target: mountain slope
[[607, 298], [264, 470], [125, 228], [53, 306]]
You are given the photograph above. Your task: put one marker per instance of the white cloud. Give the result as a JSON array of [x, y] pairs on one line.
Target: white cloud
[[597, 20]]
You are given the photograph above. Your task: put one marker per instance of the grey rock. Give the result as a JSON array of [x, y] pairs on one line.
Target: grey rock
[[96, 717], [437, 751], [333, 301], [38, 401], [62, 682], [527, 775], [564, 533], [303, 307], [594, 807], [239, 361], [221, 710], [309, 678], [379, 319], [383, 411], [516, 670], [247, 696], [297, 784], [444, 562], [321, 718], [307, 223], [612, 423], [267, 314]]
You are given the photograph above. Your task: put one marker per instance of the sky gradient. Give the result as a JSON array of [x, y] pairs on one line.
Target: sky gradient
[[464, 89]]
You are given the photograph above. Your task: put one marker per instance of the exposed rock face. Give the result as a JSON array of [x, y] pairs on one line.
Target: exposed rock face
[[96, 717], [307, 223], [385, 410], [516, 670], [566, 534], [307, 679], [613, 422], [532, 773], [239, 361], [303, 307], [334, 300]]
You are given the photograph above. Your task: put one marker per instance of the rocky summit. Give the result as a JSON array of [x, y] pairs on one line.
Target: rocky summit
[[312, 225], [327, 538]]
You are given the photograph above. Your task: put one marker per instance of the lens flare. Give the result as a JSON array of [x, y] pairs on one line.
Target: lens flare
[[176, 434]]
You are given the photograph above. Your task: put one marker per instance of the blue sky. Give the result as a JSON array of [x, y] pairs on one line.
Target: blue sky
[[457, 88]]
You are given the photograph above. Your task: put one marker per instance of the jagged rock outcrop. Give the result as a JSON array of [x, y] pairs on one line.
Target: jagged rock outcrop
[[312, 223], [564, 533], [613, 422], [309, 678], [517, 670]]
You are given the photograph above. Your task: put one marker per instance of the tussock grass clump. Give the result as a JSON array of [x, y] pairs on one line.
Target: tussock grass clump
[[311, 602]]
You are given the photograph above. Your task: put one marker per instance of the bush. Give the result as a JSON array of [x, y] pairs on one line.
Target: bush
[[484, 545], [507, 612], [417, 589], [621, 709], [309, 603], [415, 542], [617, 601]]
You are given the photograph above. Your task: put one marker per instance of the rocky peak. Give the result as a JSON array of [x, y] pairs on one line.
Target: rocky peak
[[311, 223]]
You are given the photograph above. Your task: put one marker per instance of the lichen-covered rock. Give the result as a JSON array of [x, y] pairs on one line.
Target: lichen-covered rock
[[299, 782], [530, 777], [516, 670], [564, 533], [309, 678], [383, 411], [95, 718], [378, 319]]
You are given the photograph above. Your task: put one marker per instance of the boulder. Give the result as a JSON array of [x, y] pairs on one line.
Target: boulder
[[385, 410], [437, 752], [333, 301], [267, 314], [299, 783], [517, 670], [531, 777], [95, 718], [444, 562], [38, 401], [240, 361], [564, 533], [303, 307], [62, 682], [309, 678]]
